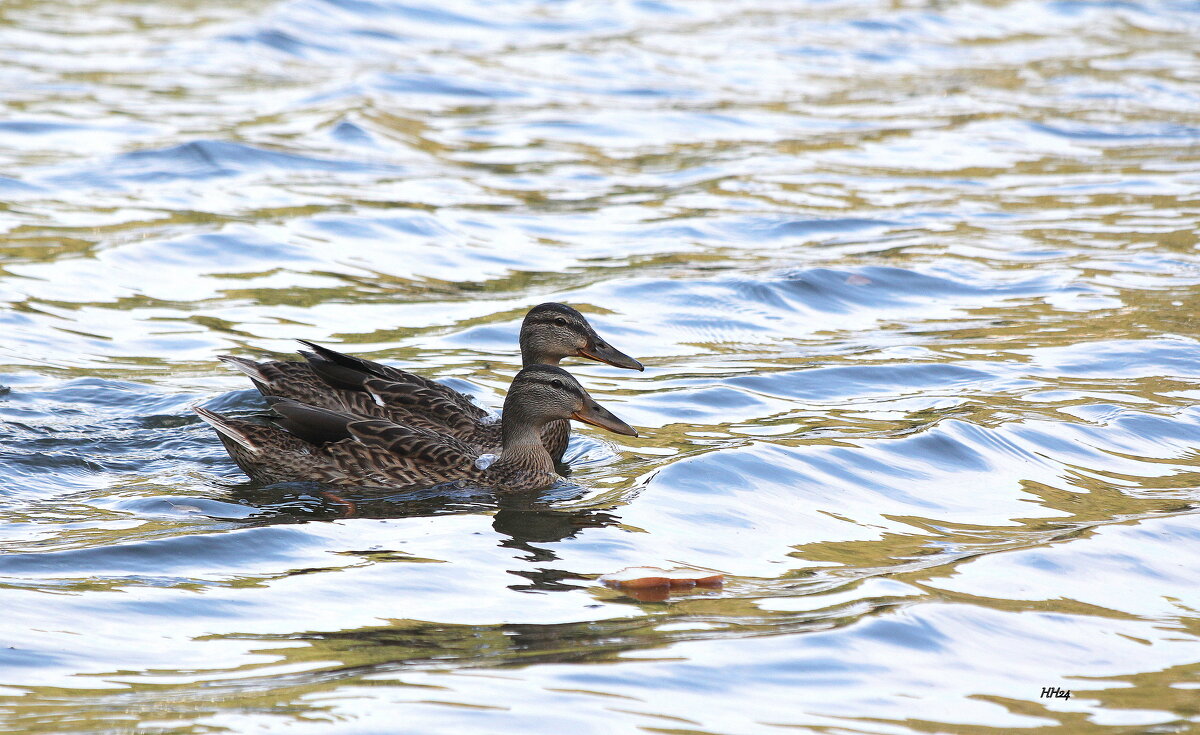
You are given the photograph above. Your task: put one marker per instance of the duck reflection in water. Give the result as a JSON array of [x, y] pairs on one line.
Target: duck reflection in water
[[525, 521]]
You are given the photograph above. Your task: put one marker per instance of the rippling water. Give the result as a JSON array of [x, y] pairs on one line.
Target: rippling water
[[915, 283]]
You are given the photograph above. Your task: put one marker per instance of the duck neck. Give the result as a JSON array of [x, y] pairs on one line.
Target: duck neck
[[532, 355], [521, 441]]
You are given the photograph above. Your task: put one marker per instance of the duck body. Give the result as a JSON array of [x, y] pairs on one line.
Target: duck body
[[311, 443], [366, 452], [329, 379]]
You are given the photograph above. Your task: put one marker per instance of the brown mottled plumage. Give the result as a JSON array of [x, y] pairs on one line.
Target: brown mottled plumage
[[330, 379], [340, 448]]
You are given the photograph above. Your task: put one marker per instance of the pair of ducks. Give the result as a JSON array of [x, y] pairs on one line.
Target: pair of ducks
[[343, 420]]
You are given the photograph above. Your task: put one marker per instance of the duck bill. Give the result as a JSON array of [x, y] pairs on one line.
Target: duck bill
[[610, 355], [597, 415]]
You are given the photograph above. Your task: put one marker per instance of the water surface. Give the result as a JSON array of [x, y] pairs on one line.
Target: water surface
[[914, 282]]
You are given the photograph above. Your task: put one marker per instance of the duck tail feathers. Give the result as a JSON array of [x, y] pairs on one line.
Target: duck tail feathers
[[245, 365], [226, 428], [251, 368]]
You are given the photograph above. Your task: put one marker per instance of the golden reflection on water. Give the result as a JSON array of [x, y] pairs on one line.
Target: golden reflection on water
[[915, 285]]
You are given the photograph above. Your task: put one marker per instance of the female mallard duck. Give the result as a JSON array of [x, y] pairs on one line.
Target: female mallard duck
[[338, 448], [329, 379]]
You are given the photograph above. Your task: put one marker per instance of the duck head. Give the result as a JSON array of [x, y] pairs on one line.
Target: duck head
[[544, 393], [552, 331]]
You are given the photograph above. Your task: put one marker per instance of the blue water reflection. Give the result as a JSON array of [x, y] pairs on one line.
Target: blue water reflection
[[914, 285]]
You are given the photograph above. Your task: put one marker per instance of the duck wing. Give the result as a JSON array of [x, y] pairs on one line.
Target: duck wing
[[376, 451], [411, 403], [321, 354], [338, 387]]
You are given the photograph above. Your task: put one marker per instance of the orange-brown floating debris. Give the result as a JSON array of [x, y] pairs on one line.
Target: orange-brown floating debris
[[857, 280], [651, 584]]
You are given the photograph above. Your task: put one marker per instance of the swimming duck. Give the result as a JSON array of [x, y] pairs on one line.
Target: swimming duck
[[338, 448], [330, 379]]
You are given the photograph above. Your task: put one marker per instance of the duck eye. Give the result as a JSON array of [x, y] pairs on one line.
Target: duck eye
[[556, 383], [560, 321]]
